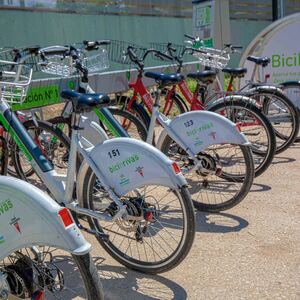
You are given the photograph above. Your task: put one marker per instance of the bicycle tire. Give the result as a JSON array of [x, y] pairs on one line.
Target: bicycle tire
[[292, 91], [262, 160], [176, 101], [87, 279], [136, 109], [268, 96], [42, 126], [246, 182], [129, 259]]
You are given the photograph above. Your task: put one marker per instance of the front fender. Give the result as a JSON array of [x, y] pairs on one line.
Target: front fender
[[128, 164], [30, 217], [200, 129]]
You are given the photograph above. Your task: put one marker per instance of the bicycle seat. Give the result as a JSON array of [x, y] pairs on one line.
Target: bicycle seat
[[165, 79], [264, 61], [204, 76], [235, 72], [85, 101]]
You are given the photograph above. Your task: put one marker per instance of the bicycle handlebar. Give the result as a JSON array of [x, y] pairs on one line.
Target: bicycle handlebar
[[93, 45]]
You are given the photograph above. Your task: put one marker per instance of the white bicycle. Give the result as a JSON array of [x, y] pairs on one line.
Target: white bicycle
[[134, 198], [43, 254]]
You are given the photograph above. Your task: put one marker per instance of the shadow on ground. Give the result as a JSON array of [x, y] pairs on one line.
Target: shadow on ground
[[282, 160], [122, 283], [259, 187], [219, 223]]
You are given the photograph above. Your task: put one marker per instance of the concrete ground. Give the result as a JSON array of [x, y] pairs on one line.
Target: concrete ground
[[249, 252]]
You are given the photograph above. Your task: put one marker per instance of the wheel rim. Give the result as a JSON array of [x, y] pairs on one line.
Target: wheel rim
[[164, 236]]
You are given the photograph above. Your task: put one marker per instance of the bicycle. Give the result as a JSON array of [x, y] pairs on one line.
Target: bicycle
[[43, 254], [33, 124], [292, 90], [134, 198], [239, 109], [199, 141]]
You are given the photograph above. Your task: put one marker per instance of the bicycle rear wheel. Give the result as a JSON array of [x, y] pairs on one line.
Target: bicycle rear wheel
[[53, 273], [224, 178], [153, 245]]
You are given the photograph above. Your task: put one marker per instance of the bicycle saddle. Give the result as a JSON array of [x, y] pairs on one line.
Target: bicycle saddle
[[85, 101], [206, 77], [264, 61], [235, 72], [165, 79]]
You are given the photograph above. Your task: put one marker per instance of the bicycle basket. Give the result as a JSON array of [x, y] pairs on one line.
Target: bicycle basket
[[117, 51], [212, 57], [98, 62], [58, 65], [15, 55], [14, 84]]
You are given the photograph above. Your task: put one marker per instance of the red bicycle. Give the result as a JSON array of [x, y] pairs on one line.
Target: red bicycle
[[240, 109]]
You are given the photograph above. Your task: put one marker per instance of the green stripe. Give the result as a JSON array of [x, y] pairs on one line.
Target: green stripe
[[10, 130], [109, 126]]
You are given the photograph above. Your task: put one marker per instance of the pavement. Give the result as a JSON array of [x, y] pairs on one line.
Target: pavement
[[249, 252]]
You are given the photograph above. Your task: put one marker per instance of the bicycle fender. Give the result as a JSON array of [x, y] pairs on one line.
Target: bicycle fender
[[127, 164], [263, 88], [229, 99], [29, 217], [201, 129], [91, 133]]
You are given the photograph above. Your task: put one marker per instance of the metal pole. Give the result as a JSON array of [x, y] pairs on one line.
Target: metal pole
[[275, 9]]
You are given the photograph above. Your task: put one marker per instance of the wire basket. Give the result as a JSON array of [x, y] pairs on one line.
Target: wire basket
[[14, 55], [163, 47], [14, 84], [117, 51], [98, 62], [212, 57], [63, 66]]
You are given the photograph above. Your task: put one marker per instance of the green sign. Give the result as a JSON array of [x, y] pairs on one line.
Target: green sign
[[39, 96]]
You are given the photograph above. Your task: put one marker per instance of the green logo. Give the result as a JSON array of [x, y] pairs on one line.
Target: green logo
[[201, 128], [285, 61], [71, 85], [124, 163], [5, 206], [124, 180], [39, 96], [2, 240]]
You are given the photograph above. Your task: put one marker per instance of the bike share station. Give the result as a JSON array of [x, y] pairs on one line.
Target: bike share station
[[246, 255]]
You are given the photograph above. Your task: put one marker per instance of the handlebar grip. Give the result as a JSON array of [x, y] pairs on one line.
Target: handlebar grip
[[96, 43], [189, 37]]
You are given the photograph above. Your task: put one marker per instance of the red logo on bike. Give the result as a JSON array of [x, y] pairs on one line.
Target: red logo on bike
[[15, 222], [213, 134], [140, 171]]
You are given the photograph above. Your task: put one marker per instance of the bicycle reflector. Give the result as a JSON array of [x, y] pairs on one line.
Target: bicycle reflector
[[66, 217], [175, 168]]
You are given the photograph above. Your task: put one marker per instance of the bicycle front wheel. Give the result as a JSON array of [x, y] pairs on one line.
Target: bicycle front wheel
[[283, 115], [50, 273], [153, 245], [292, 91]]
